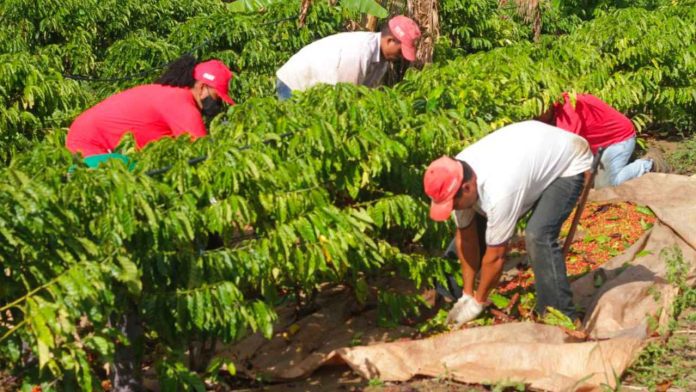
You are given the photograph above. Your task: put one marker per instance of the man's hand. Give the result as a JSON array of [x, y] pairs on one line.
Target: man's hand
[[465, 310]]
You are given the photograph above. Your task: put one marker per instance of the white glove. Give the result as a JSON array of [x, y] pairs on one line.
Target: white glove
[[465, 310], [457, 308]]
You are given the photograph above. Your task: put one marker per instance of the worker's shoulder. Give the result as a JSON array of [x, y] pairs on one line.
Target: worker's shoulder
[[160, 89], [589, 99], [166, 95], [531, 130], [519, 140], [167, 100], [345, 39], [148, 92]]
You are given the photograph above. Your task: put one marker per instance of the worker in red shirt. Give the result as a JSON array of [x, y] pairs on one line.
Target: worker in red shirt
[[602, 126], [174, 105]]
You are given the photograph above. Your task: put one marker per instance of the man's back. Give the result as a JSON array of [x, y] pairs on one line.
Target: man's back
[[514, 165], [529, 150], [593, 119], [352, 57]]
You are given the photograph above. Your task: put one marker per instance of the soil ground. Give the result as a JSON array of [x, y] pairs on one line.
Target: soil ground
[[680, 153], [670, 366]]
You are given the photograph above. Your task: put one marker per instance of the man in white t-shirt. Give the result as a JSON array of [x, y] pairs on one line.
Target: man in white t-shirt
[[354, 57], [520, 167]]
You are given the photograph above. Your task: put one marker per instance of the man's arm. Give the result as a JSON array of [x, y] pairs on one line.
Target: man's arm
[[467, 247], [188, 120], [491, 268]]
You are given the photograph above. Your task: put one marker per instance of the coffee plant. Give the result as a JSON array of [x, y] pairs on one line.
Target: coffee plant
[[324, 189]]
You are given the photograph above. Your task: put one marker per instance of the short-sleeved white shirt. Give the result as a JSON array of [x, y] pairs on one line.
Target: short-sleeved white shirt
[[513, 166], [352, 57]]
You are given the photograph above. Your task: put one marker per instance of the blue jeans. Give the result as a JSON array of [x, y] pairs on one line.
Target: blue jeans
[[545, 253], [284, 92], [616, 169]]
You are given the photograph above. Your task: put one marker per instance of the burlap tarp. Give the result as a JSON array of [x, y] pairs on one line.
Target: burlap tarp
[[544, 357]]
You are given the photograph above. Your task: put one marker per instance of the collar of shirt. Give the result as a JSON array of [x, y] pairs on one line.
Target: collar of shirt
[[376, 46], [481, 201]]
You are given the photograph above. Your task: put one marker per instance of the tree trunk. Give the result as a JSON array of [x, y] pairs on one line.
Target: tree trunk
[[530, 12], [371, 23], [536, 26], [425, 13], [304, 9]]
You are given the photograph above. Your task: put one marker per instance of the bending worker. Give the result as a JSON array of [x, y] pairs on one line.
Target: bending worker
[[354, 57], [174, 105], [603, 126], [488, 186]]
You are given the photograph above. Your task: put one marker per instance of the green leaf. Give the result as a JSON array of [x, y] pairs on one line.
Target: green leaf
[[215, 366], [363, 216], [99, 344], [645, 225], [43, 335], [89, 246], [365, 7], [231, 369], [500, 301], [599, 278], [602, 239], [85, 374], [129, 274], [645, 210], [43, 349], [251, 5], [556, 317], [361, 290]]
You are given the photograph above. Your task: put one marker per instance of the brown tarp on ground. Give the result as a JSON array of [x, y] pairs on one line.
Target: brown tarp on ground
[[544, 357]]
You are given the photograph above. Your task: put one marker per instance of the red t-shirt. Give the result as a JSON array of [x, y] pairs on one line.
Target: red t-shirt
[[150, 112], [594, 120]]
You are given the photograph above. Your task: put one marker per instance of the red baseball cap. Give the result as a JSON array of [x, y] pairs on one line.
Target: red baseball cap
[[215, 74], [407, 32], [441, 181]]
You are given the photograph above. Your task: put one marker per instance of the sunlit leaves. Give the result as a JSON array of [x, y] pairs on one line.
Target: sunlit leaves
[[324, 189]]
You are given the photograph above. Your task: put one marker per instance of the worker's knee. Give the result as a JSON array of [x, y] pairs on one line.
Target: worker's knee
[[538, 236], [614, 180]]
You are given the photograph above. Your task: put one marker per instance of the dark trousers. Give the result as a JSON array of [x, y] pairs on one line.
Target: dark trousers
[[545, 253], [126, 374]]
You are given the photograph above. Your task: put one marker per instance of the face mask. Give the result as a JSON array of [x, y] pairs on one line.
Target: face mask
[[211, 107]]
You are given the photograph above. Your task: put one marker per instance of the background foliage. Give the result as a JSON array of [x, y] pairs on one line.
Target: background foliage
[[322, 189]]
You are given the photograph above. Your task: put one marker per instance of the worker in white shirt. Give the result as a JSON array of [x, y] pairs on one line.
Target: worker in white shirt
[[354, 57], [488, 186]]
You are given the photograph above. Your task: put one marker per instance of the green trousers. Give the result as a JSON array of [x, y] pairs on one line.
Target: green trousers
[[95, 160]]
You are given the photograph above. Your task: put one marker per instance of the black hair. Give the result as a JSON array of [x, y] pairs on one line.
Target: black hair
[[179, 73], [468, 171], [385, 30], [468, 174]]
